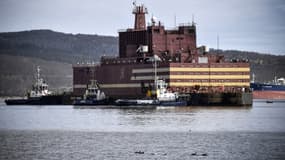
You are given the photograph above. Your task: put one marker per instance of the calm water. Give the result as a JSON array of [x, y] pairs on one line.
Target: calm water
[[62, 132]]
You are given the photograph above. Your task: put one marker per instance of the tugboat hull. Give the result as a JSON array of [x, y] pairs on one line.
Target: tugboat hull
[[129, 102], [173, 103], [91, 102], [17, 101], [135, 102], [220, 99], [44, 100]]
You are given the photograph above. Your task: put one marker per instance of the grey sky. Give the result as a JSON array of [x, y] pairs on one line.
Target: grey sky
[[251, 25]]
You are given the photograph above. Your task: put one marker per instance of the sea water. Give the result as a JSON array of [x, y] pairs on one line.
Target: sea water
[[62, 132]]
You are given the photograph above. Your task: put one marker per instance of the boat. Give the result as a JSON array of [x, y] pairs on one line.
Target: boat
[[207, 78], [278, 84], [269, 101], [271, 90], [40, 95], [134, 102], [160, 96], [163, 97], [166, 97], [93, 96]]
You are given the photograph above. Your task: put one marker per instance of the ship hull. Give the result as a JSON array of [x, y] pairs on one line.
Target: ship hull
[[90, 102], [220, 99], [44, 100], [267, 87], [132, 80], [278, 95], [173, 103], [268, 91]]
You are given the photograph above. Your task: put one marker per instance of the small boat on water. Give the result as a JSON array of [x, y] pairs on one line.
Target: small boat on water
[[167, 98], [163, 98], [92, 96], [40, 95], [141, 102], [269, 101]]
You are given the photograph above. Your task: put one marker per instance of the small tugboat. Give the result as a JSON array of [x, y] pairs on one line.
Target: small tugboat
[[93, 96], [40, 95], [166, 98], [132, 102], [163, 97]]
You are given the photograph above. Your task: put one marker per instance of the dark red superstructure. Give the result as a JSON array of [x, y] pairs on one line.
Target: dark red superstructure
[[184, 66], [178, 43]]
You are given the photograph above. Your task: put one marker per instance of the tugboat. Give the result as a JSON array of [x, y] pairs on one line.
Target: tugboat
[[40, 95], [93, 96], [162, 96], [166, 98]]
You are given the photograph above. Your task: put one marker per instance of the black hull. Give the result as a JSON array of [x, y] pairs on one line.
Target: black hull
[[220, 99], [90, 102], [173, 103], [44, 100], [127, 102]]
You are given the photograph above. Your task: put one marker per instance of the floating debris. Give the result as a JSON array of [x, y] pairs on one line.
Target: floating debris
[[196, 154], [204, 154], [139, 152]]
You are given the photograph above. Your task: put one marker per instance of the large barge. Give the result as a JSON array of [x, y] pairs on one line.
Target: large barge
[[199, 76]]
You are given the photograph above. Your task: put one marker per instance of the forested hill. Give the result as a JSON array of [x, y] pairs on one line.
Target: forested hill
[[55, 52], [50, 45]]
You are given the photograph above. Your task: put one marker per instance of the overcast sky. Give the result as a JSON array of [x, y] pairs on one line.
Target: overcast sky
[[251, 25]]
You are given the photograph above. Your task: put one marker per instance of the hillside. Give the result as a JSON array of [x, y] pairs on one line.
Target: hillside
[[55, 52], [56, 46]]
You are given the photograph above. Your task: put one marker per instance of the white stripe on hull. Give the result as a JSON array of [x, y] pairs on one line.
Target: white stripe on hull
[[77, 86], [121, 85], [150, 70], [148, 77]]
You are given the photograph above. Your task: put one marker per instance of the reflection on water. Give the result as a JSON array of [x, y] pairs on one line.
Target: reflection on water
[[261, 117]]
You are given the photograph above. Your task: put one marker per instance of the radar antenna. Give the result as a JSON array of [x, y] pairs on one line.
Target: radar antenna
[[218, 42], [193, 20], [175, 20]]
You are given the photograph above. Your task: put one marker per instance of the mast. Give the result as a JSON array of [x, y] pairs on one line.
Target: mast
[[155, 58], [253, 78], [38, 78], [218, 42], [155, 74], [174, 20]]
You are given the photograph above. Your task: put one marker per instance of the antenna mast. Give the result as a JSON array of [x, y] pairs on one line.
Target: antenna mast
[[218, 42], [193, 22], [174, 20]]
